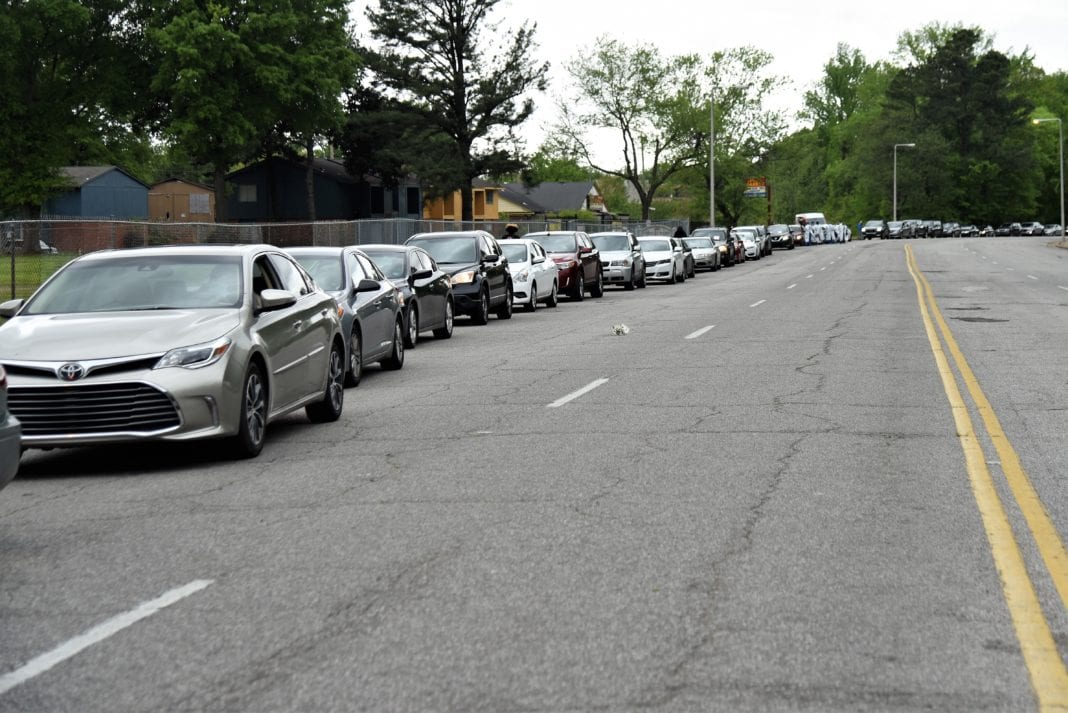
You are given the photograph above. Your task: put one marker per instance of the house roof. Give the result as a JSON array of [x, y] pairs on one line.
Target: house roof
[[81, 175], [330, 167], [175, 179], [550, 196]]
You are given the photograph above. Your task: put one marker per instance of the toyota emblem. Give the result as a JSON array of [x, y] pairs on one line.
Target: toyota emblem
[[71, 372]]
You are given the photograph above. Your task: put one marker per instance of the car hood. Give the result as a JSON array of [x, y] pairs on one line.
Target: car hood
[[74, 337], [658, 254], [614, 254]]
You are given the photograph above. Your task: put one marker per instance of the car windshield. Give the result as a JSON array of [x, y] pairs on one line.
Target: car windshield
[[120, 284], [324, 269], [655, 245], [709, 233], [699, 243], [448, 251], [390, 262], [778, 230], [515, 252], [874, 224], [556, 243], [894, 224], [611, 243]]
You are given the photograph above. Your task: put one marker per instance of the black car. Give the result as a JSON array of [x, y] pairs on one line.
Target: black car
[[899, 229], [722, 239], [780, 236], [935, 229], [474, 260], [1008, 229], [969, 231], [875, 229], [951, 230], [919, 228], [427, 290]]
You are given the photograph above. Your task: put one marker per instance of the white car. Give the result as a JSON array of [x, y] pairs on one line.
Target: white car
[[535, 277], [621, 259], [704, 251], [749, 240], [664, 259]]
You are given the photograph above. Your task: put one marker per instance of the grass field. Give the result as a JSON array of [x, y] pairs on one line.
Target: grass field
[[30, 272]]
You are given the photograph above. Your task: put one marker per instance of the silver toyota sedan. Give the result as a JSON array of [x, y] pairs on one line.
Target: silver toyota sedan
[[172, 343]]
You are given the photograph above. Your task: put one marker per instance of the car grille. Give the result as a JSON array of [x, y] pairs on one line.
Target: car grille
[[130, 408]]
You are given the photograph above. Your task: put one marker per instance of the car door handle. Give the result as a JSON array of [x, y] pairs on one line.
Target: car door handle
[[297, 325]]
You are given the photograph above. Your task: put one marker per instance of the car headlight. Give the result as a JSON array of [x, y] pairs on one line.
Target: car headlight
[[523, 275], [723, 248], [463, 278], [196, 356], [566, 263]]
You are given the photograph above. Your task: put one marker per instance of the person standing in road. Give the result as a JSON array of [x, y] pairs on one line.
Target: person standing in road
[[511, 231]]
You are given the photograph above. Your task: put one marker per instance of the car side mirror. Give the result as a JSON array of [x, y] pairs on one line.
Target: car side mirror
[[538, 259], [366, 285], [9, 308], [422, 274], [490, 259], [276, 299]]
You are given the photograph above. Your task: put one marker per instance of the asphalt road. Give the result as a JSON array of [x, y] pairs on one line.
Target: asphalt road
[[765, 506]]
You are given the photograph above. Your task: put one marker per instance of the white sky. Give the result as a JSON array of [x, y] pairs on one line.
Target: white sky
[[802, 36]]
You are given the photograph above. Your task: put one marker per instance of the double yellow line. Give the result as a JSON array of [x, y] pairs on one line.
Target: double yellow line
[[1044, 663]]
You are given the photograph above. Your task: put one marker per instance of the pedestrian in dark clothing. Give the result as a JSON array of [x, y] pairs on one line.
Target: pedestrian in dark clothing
[[680, 232], [511, 231]]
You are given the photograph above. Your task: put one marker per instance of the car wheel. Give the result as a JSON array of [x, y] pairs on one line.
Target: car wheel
[[411, 336], [505, 310], [598, 287], [533, 304], [682, 275], [693, 270], [641, 281], [252, 427], [673, 279], [395, 360], [445, 330], [632, 282], [355, 371], [577, 289], [333, 401], [554, 297], [481, 315]]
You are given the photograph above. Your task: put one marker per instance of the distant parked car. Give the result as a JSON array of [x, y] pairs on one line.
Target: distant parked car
[[425, 287], [1032, 228], [579, 261], [1008, 229], [749, 242], [969, 231], [664, 259], [473, 259], [10, 436], [721, 239], [760, 237], [987, 231], [780, 236], [897, 229], [1053, 229], [950, 230], [704, 251], [874, 229], [372, 308], [919, 228], [535, 276], [621, 259], [172, 343], [935, 229]]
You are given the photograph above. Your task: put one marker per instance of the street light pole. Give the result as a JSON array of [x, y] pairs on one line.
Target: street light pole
[[712, 160], [1060, 161], [910, 146]]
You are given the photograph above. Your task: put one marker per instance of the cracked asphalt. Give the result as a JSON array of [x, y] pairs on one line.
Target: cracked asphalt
[[772, 516]]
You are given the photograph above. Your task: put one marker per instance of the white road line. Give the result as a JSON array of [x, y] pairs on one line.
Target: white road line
[[1010, 269], [822, 269], [790, 287], [757, 304], [1031, 277], [1063, 287], [575, 394], [97, 634], [699, 332], [808, 277]]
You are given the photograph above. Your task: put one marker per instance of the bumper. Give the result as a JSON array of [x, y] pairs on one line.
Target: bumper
[[658, 272], [465, 298], [616, 274], [521, 292], [10, 449]]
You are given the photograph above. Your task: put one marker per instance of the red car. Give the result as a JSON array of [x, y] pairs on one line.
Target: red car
[[578, 259]]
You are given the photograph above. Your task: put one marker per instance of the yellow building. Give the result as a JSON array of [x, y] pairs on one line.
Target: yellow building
[[484, 205]]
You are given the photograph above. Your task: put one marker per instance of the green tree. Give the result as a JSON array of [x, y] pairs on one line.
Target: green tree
[[66, 69], [232, 74], [462, 84]]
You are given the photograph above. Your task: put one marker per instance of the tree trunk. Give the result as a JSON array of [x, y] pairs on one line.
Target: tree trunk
[[309, 175], [221, 212], [467, 202]]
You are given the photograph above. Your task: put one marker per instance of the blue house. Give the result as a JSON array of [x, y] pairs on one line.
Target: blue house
[[275, 190], [99, 192]]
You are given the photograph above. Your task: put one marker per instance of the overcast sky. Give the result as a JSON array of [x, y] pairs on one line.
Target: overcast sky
[[802, 36]]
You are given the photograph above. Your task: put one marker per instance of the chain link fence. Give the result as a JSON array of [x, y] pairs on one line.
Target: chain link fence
[[30, 251]]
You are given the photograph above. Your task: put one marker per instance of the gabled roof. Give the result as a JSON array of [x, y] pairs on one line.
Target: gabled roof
[[175, 179], [329, 167], [81, 175], [549, 197]]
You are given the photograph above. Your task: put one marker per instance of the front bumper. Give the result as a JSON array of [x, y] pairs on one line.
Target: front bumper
[[616, 274], [658, 272], [465, 297], [10, 449]]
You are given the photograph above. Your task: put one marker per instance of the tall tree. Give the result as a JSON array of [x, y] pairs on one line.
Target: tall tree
[[463, 84], [652, 103], [230, 72]]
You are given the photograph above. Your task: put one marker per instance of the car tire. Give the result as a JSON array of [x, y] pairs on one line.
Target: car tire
[[673, 279], [632, 282], [395, 360], [252, 426], [642, 284], [505, 310], [554, 296], [532, 305], [355, 371], [578, 290], [411, 334], [445, 330], [598, 287], [333, 401], [481, 314], [682, 275]]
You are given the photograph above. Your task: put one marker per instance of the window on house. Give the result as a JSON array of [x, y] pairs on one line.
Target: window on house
[[413, 202], [246, 193], [489, 197], [200, 205]]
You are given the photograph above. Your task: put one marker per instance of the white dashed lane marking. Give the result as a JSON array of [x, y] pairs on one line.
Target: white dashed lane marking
[[575, 394]]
